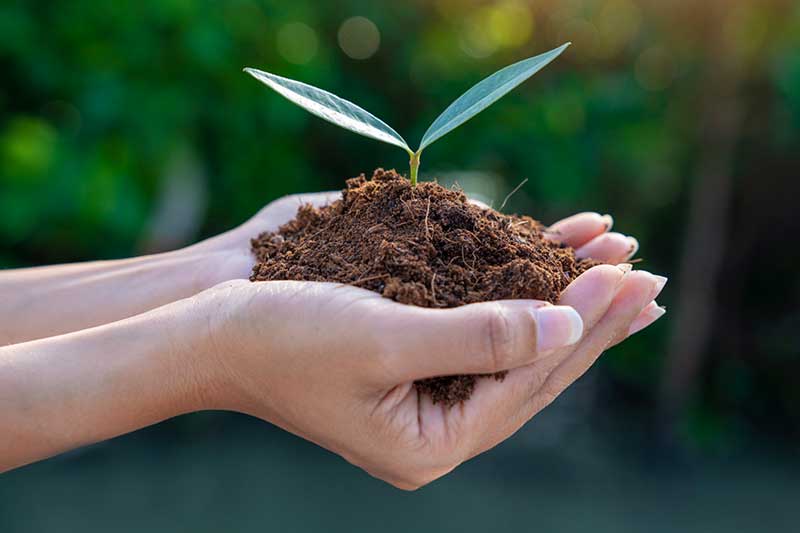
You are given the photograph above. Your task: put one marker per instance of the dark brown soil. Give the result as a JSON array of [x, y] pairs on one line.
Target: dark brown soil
[[425, 246]]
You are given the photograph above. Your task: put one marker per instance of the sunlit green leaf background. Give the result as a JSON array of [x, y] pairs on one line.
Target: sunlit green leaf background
[[129, 128]]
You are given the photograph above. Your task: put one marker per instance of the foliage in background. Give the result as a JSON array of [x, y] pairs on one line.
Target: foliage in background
[[127, 127]]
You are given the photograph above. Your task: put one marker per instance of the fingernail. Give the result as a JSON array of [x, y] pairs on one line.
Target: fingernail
[[661, 281], [626, 269], [608, 220], [634, 246], [556, 327], [645, 319]]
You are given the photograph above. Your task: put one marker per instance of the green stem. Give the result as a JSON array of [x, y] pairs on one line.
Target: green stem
[[414, 162]]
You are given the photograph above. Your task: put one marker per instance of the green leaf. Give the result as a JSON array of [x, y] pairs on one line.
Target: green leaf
[[330, 107], [485, 93]]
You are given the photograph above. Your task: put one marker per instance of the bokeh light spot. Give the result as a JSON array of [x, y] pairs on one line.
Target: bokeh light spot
[[27, 148], [510, 24], [617, 24], [297, 43], [359, 37], [504, 25], [745, 28]]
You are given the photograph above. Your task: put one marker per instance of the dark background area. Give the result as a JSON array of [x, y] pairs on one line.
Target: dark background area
[[129, 128]]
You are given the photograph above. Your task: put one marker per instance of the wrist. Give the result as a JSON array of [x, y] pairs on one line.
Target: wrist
[[207, 266], [71, 390], [203, 348]]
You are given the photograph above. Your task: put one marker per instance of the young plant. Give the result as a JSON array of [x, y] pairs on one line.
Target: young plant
[[349, 116]]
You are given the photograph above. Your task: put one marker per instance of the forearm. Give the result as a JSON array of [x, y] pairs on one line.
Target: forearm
[[67, 391], [46, 301]]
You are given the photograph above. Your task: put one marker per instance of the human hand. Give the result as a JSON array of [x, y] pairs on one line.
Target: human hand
[[227, 256], [336, 364]]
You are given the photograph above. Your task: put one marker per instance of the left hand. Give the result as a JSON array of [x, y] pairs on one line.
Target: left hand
[[228, 255]]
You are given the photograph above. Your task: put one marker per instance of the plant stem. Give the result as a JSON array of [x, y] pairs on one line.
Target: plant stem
[[414, 162]]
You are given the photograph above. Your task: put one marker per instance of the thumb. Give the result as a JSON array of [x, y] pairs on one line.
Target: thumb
[[478, 338]]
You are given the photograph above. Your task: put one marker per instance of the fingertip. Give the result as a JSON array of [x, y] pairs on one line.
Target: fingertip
[[637, 288], [478, 203], [648, 316], [592, 293], [661, 282], [633, 247], [610, 247], [598, 279], [579, 229]]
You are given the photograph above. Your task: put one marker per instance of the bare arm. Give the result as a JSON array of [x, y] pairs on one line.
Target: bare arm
[[47, 301], [63, 392], [52, 300]]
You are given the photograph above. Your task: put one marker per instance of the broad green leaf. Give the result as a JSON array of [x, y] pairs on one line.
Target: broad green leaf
[[330, 107], [485, 93]]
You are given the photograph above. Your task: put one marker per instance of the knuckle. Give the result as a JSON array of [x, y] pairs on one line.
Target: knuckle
[[499, 338], [537, 381]]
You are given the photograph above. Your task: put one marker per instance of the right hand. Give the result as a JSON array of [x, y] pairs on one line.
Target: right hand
[[336, 364]]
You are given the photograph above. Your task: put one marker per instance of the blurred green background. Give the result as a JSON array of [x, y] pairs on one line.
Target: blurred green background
[[129, 127]]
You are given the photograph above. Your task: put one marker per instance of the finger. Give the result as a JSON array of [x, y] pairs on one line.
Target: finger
[[610, 247], [650, 314], [474, 339], [590, 295], [497, 409], [635, 293], [649, 310], [579, 229], [526, 393], [592, 292]]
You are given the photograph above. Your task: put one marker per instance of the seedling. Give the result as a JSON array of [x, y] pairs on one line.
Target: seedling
[[349, 116]]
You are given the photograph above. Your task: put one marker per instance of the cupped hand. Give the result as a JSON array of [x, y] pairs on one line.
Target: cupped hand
[[335, 364], [228, 255]]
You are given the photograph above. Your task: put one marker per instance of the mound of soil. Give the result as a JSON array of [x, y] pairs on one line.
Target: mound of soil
[[426, 246]]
